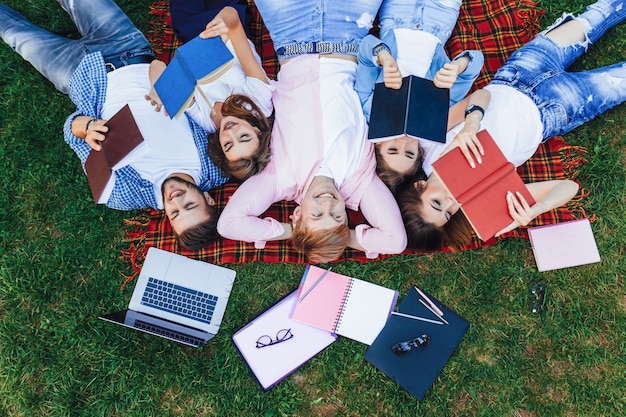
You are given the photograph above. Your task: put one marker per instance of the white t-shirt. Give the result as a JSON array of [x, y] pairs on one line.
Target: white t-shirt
[[233, 81], [170, 141], [343, 152], [416, 49], [511, 118]]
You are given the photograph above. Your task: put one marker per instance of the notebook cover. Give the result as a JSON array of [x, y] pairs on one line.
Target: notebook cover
[[418, 109], [272, 364], [417, 369], [481, 191], [348, 306], [563, 245], [122, 138]]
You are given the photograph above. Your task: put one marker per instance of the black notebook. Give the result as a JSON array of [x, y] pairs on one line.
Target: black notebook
[[417, 369], [418, 110]]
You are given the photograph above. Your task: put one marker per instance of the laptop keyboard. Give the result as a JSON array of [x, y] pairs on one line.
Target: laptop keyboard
[[170, 334], [179, 300]]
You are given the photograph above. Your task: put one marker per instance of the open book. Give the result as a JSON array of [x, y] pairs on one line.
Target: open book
[[197, 61], [418, 110], [481, 191], [344, 305], [123, 144], [273, 345], [563, 245]]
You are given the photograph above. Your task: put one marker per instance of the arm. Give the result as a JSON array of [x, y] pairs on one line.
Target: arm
[[240, 218], [387, 234], [466, 139], [228, 25], [154, 72], [547, 194], [459, 74]]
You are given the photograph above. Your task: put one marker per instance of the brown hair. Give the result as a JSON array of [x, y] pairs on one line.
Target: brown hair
[[202, 234], [426, 236], [322, 245], [393, 179], [244, 108]]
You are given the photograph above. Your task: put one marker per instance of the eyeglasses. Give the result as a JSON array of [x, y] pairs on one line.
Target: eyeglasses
[[281, 336], [419, 342], [538, 299]]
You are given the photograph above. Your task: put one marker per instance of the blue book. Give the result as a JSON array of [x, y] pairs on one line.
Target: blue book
[[196, 62]]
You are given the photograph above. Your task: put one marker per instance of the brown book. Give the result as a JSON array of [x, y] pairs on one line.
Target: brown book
[[122, 139], [481, 191]]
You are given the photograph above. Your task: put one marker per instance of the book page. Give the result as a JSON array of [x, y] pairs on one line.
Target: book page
[[272, 363], [366, 311], [321, 306]]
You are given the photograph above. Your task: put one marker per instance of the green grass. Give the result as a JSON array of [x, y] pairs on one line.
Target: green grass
[[60, 267]]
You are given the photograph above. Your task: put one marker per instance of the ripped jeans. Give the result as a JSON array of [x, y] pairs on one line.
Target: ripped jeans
[[103, 25], [566, 100]]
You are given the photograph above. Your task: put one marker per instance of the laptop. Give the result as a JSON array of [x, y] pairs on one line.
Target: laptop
[[178, 298]]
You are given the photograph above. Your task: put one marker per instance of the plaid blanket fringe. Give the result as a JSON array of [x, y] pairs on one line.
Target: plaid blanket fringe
[[496, 27]]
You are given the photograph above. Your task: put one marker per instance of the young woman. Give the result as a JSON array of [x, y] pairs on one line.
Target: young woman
[[532, 97], [238, 103], [320, 154], [413, 35]]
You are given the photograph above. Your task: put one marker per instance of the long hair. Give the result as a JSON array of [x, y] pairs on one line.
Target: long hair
[[202, 234], [426, 236], [242, 107], [322, 245], [393, 179]]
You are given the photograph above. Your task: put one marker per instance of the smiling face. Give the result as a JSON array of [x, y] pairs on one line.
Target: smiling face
[[238, 138], [438, 205], [399, 154], [322, 206], [184, 203]]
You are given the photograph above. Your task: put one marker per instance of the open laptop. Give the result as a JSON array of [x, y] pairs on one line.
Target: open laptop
[[177, 298]]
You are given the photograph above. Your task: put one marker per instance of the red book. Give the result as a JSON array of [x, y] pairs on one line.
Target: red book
[[481, 191]]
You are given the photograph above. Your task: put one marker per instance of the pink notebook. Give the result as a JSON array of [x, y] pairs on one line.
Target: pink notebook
[[340, 304], [563, 245]]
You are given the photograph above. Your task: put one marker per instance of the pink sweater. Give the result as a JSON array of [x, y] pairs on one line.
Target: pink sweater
[[297, 153]]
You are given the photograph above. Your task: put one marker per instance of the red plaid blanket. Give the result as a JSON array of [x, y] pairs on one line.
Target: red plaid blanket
[[496, 27]]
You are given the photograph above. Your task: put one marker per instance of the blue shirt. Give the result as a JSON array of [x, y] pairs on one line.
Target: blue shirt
[[88, 86]]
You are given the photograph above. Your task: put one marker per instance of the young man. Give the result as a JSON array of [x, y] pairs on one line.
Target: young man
[[107, 68]]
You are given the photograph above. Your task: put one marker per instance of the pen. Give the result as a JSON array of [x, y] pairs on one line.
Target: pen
[[315, 284], [439, 312], [408, 316], [433, 311]]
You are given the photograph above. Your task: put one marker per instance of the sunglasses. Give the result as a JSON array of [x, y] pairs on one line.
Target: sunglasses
[[419, 342]]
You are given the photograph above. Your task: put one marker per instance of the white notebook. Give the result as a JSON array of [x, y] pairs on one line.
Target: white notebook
[[563, 245]]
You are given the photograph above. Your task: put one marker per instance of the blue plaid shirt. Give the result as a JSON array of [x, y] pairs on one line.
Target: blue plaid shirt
[[88, 87]]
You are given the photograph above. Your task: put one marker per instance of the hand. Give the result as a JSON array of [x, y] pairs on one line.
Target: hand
[[216, 27], [155, 101], [95, 134], [446, 76], [470, 145], [520, 211], [391, 72]]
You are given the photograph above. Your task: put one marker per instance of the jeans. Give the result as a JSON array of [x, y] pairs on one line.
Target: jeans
[[103, 25], [437, 17], [341, 22], [566, 100]]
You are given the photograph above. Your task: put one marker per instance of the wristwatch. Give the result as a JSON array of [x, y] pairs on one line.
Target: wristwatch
[[472, 108], [377, 50]]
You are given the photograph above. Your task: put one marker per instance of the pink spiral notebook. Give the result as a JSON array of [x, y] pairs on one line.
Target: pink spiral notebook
[[344, 305]]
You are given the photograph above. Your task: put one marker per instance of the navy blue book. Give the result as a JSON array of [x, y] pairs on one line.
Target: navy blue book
[[197, 61], [418, 110], [416, 342]]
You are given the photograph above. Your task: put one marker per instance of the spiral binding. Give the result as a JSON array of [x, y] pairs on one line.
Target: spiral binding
[[346, 295]]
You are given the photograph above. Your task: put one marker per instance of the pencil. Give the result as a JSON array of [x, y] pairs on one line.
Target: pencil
[[433, 305], [433, 311], [408, 316], [315, 284]]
